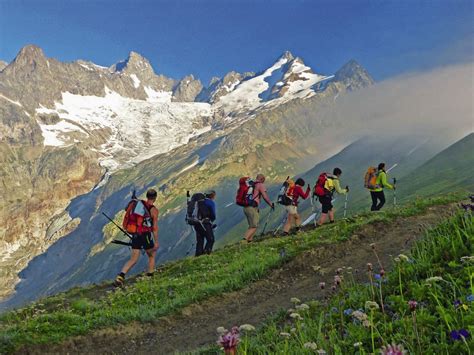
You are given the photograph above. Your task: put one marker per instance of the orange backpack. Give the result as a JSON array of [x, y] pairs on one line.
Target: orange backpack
[[370, 179]]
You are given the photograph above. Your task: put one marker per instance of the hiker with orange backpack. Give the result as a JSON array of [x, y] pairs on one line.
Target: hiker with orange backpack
[[294, 192], [376, 182], [248, 196], [325, 187], [141, 222]]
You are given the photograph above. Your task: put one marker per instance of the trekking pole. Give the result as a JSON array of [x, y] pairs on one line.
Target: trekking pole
[[281, 224], [266, 222], [394, 192], [116, 225], [345, 204]]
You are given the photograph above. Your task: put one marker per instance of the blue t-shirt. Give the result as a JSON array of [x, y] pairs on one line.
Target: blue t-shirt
[[212, 208]]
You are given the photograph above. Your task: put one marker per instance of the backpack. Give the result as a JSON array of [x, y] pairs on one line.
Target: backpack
[[370, 178], [285, 197], [137, 217], [319, 189], [244, 195], [197, 210]]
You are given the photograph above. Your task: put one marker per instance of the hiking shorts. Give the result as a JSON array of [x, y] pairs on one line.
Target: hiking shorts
[[253, 216], [143, 241], [326, 203], [291, 209]]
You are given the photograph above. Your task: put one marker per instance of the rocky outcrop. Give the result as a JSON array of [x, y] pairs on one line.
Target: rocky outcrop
[[3, 64], [187, 89], [353, 76]]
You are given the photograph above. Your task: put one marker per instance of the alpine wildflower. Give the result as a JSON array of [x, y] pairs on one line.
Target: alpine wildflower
[[221, 330], [310, 345], [393, 349], [371, 306], [296, 316], [322, 285], [470, 298], [321, 352], [403, 257], [459, 334], [285, 335], [412, 304], [358, 344], [295, 300], [337, 280], [467, 259], [369, 267], [359, 315], [302, 307], [433, 279], [247, 327], [230, 340], [348, 311]]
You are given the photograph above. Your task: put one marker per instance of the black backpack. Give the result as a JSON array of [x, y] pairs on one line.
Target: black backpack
[[197, 210]]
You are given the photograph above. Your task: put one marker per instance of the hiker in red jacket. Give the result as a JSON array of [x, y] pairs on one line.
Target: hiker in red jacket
[[293, 216]]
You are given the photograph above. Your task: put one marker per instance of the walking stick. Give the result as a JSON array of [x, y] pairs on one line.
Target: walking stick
[[394, 192], [266, 222], [345, 205], [281, 224]]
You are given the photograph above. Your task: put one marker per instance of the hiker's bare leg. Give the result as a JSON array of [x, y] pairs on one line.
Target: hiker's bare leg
[[331, 215], [297, 220], [289, 222], [133, 260], [151, 259], [250, 233], [322, 219]]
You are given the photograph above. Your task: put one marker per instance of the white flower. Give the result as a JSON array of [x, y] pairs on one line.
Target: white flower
[[285, 335], [403, 257], [221, 330], [310, 345], [433, 279], [295, 300], [359, 315], [397, 260], [293, 330], [356, 345], [372, 306], [247, 327], [321, 351], [296, 316], [467, 259], [302, 307]]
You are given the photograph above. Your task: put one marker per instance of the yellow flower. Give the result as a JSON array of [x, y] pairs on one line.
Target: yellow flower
[[465, 307]]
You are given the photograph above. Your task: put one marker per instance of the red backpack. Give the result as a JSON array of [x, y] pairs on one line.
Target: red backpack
[[137, 217], [319, 189], [244, 195]]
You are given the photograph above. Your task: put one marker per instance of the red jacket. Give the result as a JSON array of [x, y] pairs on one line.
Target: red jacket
[[298, 192]]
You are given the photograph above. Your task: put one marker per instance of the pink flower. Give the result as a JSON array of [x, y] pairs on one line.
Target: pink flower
[[337, 280], [393, 349], [230, 340], [333, 287], [369, 267], [339, 270], [382, 272], [322, 285], [412, 304]]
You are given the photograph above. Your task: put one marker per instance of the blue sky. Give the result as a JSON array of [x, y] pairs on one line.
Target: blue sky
[[209, 38]]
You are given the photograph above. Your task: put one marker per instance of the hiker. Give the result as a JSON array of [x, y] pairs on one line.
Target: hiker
[[292, 209], [256, 190], [205, 229], [325, 187], [145, 235], [376, 192]]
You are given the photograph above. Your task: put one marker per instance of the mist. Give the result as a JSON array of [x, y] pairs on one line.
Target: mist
[[438, 102]]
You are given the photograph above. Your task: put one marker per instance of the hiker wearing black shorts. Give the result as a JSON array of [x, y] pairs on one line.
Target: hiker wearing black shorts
[[331, 185], [205, 229], [147, 240], [376, 193]]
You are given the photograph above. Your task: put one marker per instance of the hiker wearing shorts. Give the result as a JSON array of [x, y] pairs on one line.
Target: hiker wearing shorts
[[252, 212], [377, 194], [331, 185], [147, 240], [292, 210]]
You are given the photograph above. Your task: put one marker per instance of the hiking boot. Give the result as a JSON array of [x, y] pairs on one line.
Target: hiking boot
[[119, 281]]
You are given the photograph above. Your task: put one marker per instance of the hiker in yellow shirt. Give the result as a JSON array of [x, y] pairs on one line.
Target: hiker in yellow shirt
[[378, 197]]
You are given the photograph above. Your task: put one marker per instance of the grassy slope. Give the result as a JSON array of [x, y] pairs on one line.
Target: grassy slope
[[450, 170], [178, 284], [348, 324]]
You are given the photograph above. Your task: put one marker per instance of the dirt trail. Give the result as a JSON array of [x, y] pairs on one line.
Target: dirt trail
[[195, 326]]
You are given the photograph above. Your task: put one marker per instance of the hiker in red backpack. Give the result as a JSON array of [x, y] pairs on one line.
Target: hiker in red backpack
[[248, 196], [325, 187], [293, 216], [141, 220]]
